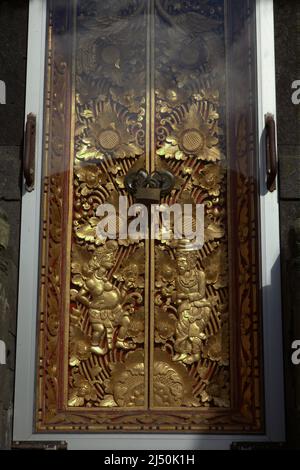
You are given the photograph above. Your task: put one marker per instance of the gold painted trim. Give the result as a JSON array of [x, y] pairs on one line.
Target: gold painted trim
[[70, 211], [152, 168]]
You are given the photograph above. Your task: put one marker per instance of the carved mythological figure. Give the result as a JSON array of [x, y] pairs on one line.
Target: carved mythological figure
[[194, 309], [104, 301]]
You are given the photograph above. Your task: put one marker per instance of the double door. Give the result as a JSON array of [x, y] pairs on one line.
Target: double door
[[149, 334]]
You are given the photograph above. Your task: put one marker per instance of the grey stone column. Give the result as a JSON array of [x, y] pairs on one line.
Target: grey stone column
[[13, 43], [287, 55]]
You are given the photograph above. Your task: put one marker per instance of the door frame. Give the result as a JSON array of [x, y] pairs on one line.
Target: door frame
[[29, 260]]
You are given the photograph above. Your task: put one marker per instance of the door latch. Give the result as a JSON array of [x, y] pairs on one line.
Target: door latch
[[149, 188]]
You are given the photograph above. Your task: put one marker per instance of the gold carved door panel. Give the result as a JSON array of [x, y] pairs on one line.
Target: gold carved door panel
[[140, 334]]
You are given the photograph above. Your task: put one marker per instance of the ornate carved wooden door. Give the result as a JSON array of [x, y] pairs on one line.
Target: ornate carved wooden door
[[150, 335]]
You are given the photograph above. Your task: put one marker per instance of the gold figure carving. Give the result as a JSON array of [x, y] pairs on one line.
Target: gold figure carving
[[104, 301], [194, 309]]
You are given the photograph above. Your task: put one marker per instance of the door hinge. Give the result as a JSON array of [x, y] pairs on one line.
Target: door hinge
[[254, 446], [39, 445]]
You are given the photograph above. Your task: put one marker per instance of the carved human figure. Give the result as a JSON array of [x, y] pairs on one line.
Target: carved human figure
[[194, 309], [104, 301]]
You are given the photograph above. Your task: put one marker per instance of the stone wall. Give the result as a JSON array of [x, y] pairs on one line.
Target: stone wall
[[13, 38], [287, 44]]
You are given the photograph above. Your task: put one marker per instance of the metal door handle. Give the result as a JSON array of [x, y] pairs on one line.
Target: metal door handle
[[271, 153], [29, 152]]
